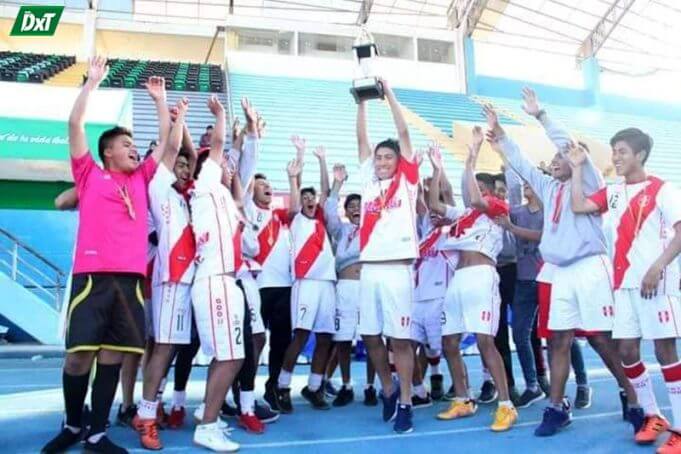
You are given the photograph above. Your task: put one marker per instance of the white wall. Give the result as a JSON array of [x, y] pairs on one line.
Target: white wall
[[659, 86], [400, 73]]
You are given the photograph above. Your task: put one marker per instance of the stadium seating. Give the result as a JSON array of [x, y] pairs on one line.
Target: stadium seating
[[323, 112], [179, 76], [22, 67]]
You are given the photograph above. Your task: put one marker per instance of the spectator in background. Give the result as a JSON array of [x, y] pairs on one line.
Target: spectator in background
[[205, 137], [152, 147]]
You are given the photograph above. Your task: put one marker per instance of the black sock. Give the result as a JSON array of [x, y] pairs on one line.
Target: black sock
[[103, 392], [75, 389], [183, 363]]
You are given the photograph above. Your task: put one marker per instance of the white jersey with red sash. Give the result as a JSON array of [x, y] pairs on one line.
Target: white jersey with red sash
[[274, 256], [388, 222], [643, 218], [312, 253], [431, 270]]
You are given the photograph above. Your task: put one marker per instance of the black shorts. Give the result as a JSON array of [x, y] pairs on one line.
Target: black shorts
[[106, 311]]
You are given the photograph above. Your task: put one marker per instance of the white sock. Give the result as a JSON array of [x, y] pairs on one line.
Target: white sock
[[419, 390], [314, 382], [147, 409], [640, 380], [434, 369], [161, 389], [284, 380], [672, 378], [506, 403], [486, 376], [247, 402], [96, 437], [179, 399]]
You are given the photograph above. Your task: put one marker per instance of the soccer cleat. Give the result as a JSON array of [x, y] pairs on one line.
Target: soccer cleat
[[264, 413], [329, 389], [421, 402], [344, 397], [198, 417], [552, 421], [370, 398], [176, 418], [436, 387], [504, 418], [62, 442], [213, 437], [653, 427], [488, 393], [227, 411], [583, 397], [390, 404], [271, 398], [251, 423], [459, 409], [625, 405], [124, 417], [403, 424], [451, 395], [544, 384], [529, 397], [672, 445], [284, 400], [637, 418], [316, 398], [104, 446], [148, 431]]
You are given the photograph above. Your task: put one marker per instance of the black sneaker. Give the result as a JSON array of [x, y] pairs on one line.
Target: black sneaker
[[264, 413], [583, 398], [370, 398], [513, 394], [227, 411], [529, 397], [488, 393], [636, 417], [124, 417], [271, 398], [437, 391], [316, 398], [623, 401], [62, 442], [421, 402], [344, 397], [104, 445], [284, 400], [544, 384], [451, 395], [329, 389], [403, 418]]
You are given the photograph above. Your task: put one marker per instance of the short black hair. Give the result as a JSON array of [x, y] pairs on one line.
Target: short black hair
[[350, 198], [209, 127], [308, 190], [638, 140], [393, 144], [259, 176], [487, 179], [108, 137], [184, 153], [153, 142]]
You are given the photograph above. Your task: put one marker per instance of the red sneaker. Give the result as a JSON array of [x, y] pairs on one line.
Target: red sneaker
[[148, 432], [251, 423], [672, 445], [176, 418], [653, 427], [161, 416]]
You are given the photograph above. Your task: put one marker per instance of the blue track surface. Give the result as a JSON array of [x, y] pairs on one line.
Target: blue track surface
[[31, 404]]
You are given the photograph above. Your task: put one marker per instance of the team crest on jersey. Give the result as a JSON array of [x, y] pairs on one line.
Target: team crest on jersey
[[614, 198]]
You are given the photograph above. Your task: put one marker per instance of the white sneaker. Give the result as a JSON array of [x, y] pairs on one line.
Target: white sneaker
[[198, 417], [212, 436]]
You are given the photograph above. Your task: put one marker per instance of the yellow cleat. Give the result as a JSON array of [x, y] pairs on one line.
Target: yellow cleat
[[504, 419], [459, 409]]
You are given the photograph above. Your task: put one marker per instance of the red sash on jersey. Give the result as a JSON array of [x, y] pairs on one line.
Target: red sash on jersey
[[630, 224], [424, 247], [311, 250], [496, 207], [371, 217], [182, 255], [270, 234]]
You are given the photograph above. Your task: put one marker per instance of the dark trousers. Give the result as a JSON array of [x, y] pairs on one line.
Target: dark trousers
[[276, 314], [507, 278]]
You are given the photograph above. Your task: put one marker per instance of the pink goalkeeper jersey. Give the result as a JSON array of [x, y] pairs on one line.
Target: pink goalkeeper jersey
[[109, 240]]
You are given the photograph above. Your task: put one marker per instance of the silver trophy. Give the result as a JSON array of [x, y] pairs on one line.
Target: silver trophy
[[366, 86]]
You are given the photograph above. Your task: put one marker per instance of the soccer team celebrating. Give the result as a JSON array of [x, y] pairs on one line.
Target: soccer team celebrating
[[184, 248]]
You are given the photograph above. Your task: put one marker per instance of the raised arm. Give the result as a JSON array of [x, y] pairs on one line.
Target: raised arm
[[333, 221], [217, 141], [294, 170], [434, 203], [67, 200], [299, 143], [400, 123], [156, 87], [580, 204], [476, 199], [174, 142], [320, 154], [515, 187], [188, 145], [97, 71], [249, 151], [363, 145]]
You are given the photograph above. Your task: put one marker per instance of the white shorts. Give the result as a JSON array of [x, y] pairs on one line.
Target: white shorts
[[472, 302], [253, 300], [219, 314], [171, 313], [347, 310], [651, 319], [581, 295], [426, 323], [313, 305], [386, 292]]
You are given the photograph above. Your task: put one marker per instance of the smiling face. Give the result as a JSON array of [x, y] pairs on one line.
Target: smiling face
[[308, 201], [625, 159], [120, 154], [500, 189], [262, 192], [353, 209], [560, 167], [181, 171], [385, 162]]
